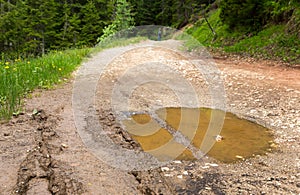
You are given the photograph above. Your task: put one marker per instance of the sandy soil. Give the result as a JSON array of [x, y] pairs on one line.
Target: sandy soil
[[42, 152]]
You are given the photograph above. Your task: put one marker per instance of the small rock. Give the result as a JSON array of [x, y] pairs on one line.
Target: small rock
[[185, 173], [239, 157], [64, 145], [177, 161], [273, 145], [165, 169], [218, 138], [208, 188], [212, 164], [179, 176], [277, 183]]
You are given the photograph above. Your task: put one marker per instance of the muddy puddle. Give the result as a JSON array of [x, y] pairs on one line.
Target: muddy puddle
[[179, 133]]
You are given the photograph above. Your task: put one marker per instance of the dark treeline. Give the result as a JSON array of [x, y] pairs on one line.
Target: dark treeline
[[175, 13], [33, 27], [253, 15]]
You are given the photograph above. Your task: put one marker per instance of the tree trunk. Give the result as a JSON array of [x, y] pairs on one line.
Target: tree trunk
[[210, 27]]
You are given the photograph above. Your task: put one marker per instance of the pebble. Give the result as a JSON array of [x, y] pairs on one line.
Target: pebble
[[239, 157], [179, 176], [64, 145], [211, 164], [177, 161], [205, 167], [219, 138], [165, 169]]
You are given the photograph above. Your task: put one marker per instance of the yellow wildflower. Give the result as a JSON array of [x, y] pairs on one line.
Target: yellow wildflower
[[28, 62], [59, 69], [6, 63], [6, 67]]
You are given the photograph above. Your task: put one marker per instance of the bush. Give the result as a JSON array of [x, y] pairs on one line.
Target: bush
[[253, 15]]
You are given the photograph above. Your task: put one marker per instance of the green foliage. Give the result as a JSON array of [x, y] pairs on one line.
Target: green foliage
[[176, 13], [204, 35], [20, 76], [34, 27], [146, 12], [123, 20], [272, 42], [92, 22], [253, 15], [242, 15]]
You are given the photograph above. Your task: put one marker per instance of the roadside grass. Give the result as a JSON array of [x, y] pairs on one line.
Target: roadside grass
[[273, 42], [19, 77]]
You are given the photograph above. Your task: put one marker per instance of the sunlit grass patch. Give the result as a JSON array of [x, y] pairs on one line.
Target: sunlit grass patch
[[272, 42], [19, 77]]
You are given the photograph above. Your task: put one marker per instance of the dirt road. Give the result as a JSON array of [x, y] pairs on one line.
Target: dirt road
[[42, 152]]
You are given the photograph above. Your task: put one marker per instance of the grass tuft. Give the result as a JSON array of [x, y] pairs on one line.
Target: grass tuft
[[19, 77], [273, 42]]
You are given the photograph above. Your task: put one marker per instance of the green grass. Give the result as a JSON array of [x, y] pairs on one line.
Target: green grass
[[19, 77], [272, 42]]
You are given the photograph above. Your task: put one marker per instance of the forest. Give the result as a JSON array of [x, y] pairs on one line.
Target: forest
[[34, 27]]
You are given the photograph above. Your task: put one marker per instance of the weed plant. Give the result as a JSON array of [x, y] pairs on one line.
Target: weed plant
[[20, 77]]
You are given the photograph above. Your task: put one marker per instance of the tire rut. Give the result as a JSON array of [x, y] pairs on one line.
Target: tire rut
[[150, 182], [39, 165]]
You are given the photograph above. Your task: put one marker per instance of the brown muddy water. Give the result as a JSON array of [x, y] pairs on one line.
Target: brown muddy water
[[236, 140]]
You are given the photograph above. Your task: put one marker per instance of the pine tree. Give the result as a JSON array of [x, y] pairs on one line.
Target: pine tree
[[69, 25], [242, 15], [11, 27], [40, 25], [90, 26]]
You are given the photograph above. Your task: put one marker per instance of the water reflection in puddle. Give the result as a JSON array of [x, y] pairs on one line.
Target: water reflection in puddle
[[238, 139]]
